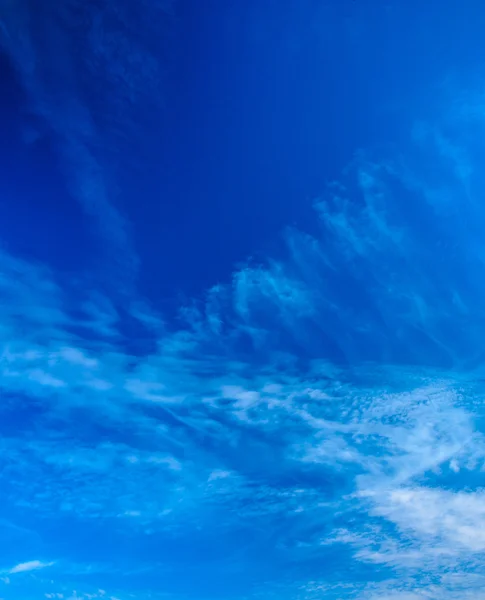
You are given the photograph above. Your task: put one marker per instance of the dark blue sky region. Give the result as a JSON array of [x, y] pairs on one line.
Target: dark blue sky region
[[260, 104], [242, 280]]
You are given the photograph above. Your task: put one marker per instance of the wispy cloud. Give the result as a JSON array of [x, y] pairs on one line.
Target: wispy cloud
[[85, 80], [25, 567]]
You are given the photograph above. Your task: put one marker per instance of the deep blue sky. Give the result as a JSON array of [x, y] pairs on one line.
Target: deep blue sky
[[263, 103], [242, 280]]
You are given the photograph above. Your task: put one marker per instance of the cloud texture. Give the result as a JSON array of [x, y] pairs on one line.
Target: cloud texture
[[320, 416]]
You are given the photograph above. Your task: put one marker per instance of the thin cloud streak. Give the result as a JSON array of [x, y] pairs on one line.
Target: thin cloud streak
[[26, 567], [59, 82]]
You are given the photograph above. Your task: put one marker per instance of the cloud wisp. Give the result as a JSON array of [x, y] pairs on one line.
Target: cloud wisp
[[86, 80], [32, 565]]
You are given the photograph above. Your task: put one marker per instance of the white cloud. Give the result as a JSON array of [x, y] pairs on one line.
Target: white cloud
[[25, 567], [454, 520]]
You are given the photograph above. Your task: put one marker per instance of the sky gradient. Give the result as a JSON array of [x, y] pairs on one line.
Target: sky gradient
[[242, 291]]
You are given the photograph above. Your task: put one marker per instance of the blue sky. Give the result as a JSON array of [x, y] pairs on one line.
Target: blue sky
[[242, 280]]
